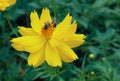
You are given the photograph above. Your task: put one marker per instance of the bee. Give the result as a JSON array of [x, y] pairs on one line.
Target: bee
[[47, 24], [54, 22]]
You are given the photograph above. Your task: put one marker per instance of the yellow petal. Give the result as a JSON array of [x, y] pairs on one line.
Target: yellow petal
[[73, 28], [11, 2], [62, 28], [74, 40], [18, 46], [29, 43], [66, 54], [2, 8], [26, 31], [52, 57], [4, 4], [37, 58], [35, 22], [45, 17], [53, 42]]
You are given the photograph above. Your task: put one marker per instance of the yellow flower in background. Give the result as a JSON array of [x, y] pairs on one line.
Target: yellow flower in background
[[6, 3], [49, 42]]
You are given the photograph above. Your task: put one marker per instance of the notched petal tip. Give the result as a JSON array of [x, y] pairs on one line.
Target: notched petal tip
[[75, 22], [83, 36], [12, 40], [20, 27], [33, 13], [57, 65], [32, 64], [76, 57], [69, 16], [45, 10]]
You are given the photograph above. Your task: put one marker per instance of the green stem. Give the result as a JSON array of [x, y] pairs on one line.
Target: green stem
[[53, 5], [10, 25]]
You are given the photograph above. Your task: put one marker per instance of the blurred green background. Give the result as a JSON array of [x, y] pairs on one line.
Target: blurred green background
[[99, 20]]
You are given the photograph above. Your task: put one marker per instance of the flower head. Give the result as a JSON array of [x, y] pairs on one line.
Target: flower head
[[6, 3], [49, 42]]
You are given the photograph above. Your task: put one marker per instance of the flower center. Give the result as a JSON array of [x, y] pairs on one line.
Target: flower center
[[48, 29]]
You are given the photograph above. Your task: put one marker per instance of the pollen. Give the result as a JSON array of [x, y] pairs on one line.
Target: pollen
[[48, 31]]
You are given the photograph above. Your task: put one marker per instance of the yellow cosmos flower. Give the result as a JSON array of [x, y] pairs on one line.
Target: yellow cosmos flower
[[49, 42], [6, 3]]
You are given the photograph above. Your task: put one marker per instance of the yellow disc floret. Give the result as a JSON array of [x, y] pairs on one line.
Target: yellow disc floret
[[47, 30]]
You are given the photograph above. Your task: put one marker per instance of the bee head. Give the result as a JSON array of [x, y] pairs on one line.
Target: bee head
[[47, 24]]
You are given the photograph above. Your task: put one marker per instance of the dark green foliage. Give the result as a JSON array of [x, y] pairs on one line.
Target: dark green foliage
[[99, 20]]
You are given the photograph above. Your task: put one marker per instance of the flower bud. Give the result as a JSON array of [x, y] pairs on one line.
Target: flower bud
[[91, 56]]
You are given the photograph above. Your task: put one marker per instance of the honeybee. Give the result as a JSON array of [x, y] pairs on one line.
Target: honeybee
[[47, 24]]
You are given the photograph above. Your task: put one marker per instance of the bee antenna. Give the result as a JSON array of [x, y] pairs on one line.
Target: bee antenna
[[54, 22]]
